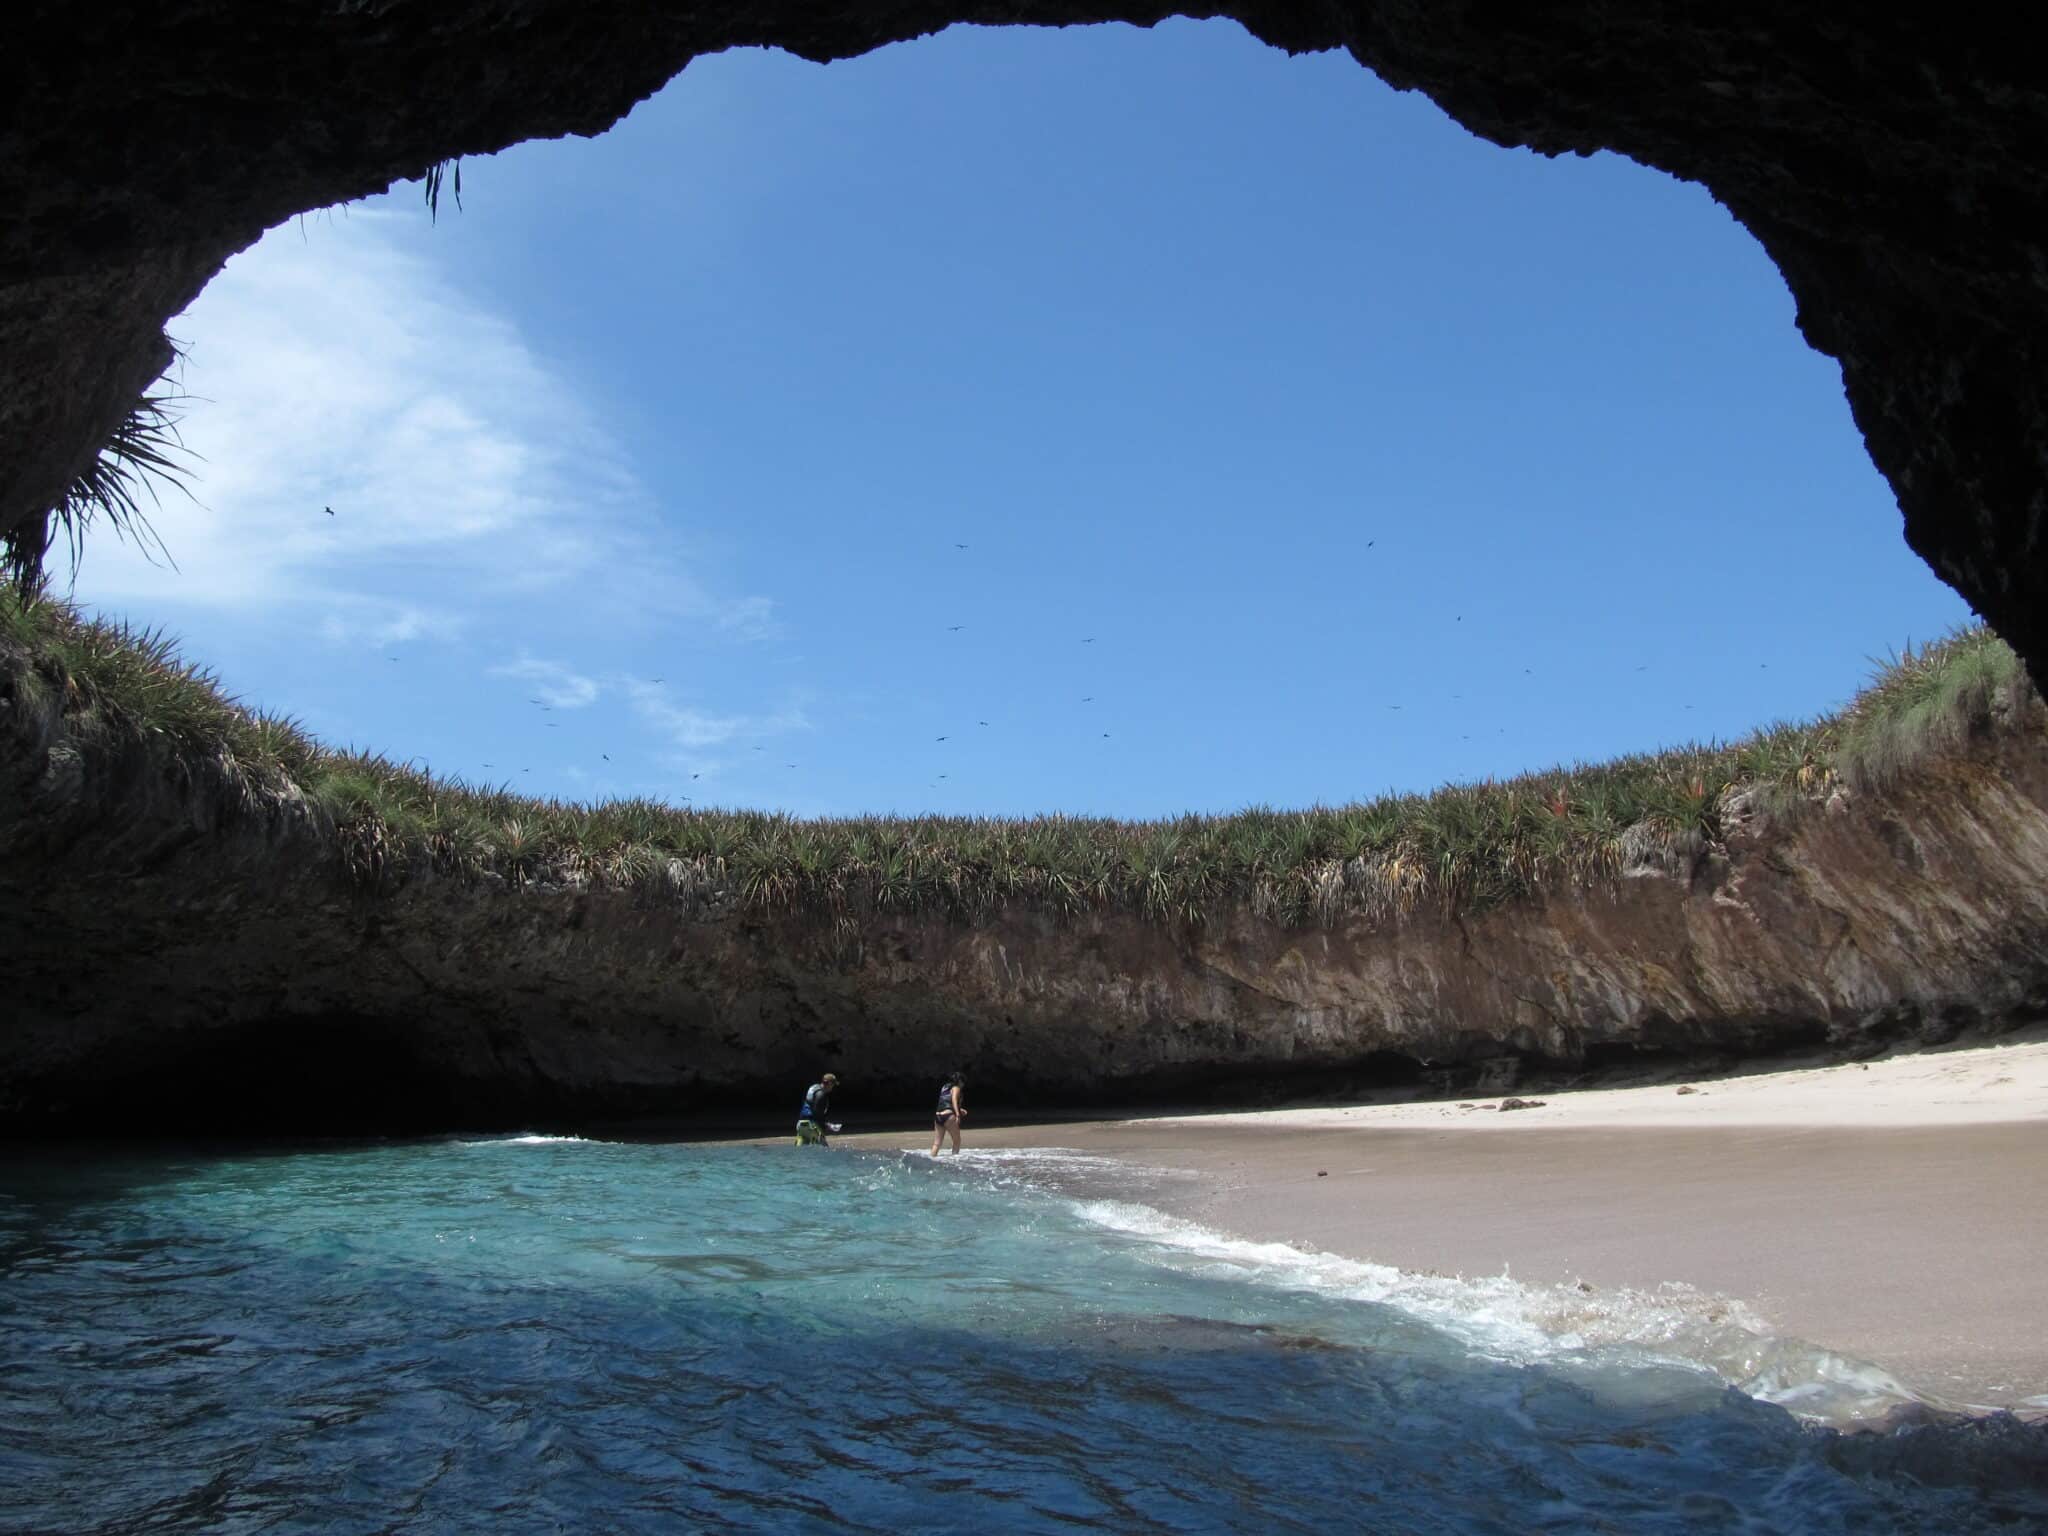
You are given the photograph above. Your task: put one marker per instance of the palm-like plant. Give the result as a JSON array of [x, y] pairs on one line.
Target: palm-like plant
[[144, 449]]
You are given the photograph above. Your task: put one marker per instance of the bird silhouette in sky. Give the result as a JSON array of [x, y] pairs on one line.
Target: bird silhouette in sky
[[760, 749], [1370, 542], [1089, 700], [606, 756], [487, 765], [657, 680], [328, 510], [941, 738], [942, 775], [959, 546], [391, 658], [1105, 735], [1642, 669], [554, 725], [954, 629], [792, 765], [1089, 641], [1393, 706], [981, 722], [696, 775]]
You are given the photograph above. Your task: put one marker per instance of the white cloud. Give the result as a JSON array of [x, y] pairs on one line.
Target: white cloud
[[696, 729], [552, 682], [340, 369]]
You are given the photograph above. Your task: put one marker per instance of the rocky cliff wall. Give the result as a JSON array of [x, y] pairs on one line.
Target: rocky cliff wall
[[179, 952], [1893, 162]]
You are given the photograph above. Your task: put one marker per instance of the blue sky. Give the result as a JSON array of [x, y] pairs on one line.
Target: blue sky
[[1303, 446]]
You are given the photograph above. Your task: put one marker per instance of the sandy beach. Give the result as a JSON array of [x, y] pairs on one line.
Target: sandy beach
[[1892, 1211]]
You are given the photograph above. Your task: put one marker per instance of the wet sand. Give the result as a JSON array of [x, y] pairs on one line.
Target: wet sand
[[1897, 1213]]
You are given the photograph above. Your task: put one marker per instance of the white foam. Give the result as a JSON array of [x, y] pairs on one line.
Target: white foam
[[1501, 1318], [531, 1139]]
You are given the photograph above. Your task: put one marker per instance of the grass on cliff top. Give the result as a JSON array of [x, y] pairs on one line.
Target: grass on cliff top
[[1461, 848]]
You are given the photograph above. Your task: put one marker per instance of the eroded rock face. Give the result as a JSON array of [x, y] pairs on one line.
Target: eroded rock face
[[1893, 163], [180, 956]]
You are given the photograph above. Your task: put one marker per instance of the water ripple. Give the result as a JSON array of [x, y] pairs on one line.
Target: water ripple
[[538, 1336]]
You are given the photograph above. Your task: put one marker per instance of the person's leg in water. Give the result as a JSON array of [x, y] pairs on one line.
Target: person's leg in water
[[939, 1124]]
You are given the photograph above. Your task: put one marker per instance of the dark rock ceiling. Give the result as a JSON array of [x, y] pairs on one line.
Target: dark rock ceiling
[[1894, 165]]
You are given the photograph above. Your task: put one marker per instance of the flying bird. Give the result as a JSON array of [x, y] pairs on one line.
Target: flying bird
[[696, 775], [1089, 641], [606, 756], [954, 629], [981, 722], [941, 738], [1089, 700], [657, 680], [959, 546], [1105, 735], [328, 510]]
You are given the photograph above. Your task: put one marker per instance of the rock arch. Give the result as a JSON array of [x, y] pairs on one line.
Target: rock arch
[[1895, 167]]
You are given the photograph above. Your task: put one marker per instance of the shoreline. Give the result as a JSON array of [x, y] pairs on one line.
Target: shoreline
[[1888, 1211]]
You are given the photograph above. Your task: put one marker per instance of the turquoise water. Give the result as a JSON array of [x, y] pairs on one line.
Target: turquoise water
[[530, 1334]]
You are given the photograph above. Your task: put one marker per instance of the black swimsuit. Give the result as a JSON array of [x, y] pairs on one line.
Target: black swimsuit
[[945, 1111]]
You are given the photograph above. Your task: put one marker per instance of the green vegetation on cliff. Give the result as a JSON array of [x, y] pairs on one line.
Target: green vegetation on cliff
[[1461, 848]]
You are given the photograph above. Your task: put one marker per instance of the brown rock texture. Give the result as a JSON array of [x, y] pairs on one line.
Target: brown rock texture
[[181, 953], [1894, 163]]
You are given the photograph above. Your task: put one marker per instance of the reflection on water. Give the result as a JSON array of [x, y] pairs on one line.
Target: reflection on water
[[543, 1334]]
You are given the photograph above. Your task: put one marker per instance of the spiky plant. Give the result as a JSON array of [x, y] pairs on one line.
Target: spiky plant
[[144, 449], [1460, 848], [442, 173]]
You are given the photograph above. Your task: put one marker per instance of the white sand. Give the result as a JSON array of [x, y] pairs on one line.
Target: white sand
[[1980, 1085], [1892, 1211]]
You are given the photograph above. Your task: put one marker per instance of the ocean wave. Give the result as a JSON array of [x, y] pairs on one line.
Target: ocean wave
[[526, 1139], [1573, 1326]]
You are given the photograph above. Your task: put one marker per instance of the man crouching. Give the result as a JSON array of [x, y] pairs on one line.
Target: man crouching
[[811, 1122]]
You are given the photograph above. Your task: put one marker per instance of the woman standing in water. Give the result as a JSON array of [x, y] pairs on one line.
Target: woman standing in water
[[951, 1111]]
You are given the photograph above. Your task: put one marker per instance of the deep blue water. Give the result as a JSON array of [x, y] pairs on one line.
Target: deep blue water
[[525, 1335]]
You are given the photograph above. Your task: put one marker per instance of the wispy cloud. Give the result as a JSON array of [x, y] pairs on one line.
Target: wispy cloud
[[553, 682], [697, 730], [464, 473]]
